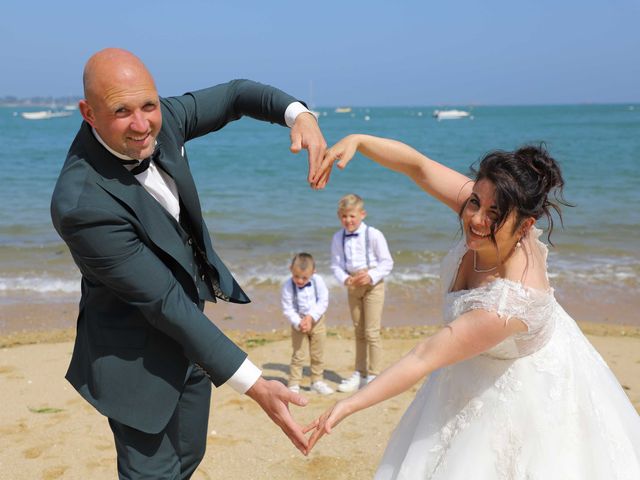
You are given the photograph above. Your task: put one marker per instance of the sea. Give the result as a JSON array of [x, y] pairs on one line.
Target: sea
[[260, 210]]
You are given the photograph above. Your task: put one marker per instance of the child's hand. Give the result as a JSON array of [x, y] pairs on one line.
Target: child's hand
[[361, 278], [306, 323]]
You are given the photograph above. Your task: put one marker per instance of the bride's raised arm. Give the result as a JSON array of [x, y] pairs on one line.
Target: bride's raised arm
[[450, 187]]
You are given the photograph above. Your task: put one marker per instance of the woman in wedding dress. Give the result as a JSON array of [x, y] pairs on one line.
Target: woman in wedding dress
[[515, 389]]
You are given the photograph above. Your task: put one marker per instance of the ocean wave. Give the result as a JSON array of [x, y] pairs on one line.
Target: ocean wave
[[406, 277], [566, 272], [39, 284]]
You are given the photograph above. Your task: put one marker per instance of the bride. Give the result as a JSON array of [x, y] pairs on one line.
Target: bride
[[515, 389]]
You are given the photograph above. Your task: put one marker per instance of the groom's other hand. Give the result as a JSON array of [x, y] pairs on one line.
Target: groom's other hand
[[274, 398], [306, 134]]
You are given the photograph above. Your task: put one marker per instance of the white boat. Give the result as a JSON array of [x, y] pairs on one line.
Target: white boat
[[44, 115], [450, 114]]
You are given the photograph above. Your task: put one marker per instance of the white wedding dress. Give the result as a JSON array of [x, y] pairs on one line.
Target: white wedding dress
[[541, 405]]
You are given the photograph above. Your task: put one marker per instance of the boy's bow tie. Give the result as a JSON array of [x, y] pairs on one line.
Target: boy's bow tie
[[355, 234]]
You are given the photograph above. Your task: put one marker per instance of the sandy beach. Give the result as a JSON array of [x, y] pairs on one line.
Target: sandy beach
[[48, 431]]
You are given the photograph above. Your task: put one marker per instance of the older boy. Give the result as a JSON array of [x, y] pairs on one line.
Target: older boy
[[305, 299], [360, 259]]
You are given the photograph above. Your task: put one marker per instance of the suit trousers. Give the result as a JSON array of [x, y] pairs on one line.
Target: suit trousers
[[366, 304], [176, 451], [313, 341]]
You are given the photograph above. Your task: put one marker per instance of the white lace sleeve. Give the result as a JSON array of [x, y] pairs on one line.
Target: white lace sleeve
[[511, 300]]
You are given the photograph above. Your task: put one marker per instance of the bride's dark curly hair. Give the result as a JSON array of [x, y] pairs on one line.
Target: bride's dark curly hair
[[524, 180]]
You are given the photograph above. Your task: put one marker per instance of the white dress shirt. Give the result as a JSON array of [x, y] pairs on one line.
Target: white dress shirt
[[162, 187], [353, 257], [307, 302]]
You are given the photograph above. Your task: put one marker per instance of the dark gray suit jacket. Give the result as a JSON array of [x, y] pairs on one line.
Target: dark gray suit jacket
[[140, 323]]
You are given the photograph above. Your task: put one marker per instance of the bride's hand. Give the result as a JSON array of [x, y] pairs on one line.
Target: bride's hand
[[342, 152], [325, 422]]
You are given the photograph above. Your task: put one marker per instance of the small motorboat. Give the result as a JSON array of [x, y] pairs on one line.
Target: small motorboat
[[450, 114], [44, 115]]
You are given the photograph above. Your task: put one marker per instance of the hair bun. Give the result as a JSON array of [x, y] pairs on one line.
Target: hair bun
[[543, 166]]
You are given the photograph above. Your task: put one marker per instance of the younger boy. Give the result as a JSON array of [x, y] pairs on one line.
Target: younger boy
[[305, 299], [360, 259]]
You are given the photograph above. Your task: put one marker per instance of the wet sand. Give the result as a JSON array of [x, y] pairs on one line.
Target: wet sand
[[404, 306]]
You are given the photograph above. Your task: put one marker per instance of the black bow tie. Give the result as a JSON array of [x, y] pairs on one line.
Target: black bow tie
[[141, 167], [308, 284], [351, 234]]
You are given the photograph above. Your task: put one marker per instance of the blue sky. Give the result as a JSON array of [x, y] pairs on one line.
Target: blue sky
[[457, 52]]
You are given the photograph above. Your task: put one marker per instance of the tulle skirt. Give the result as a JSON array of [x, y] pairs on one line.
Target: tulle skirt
[[559, 413]]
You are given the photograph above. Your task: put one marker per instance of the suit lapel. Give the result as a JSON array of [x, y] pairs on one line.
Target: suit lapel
[[121, 184], [179, 171]]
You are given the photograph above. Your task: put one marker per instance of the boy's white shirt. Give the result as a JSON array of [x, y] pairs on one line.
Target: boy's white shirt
[[307, 303], [380, 261]]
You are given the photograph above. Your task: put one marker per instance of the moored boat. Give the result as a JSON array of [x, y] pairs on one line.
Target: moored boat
[[450, 114], [44, 115]]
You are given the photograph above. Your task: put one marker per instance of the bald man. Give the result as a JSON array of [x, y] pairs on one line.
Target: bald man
[[125, 203]]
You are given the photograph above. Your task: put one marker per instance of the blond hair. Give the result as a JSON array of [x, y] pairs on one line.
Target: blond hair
[[303, 261], [349, 201]]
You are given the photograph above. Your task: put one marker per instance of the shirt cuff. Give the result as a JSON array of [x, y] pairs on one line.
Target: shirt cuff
[[295, 323], [375, 277], [293, 110], [245, 376]]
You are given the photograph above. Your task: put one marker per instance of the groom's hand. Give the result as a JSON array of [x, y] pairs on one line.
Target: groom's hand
[[306, 134], [274, 398]]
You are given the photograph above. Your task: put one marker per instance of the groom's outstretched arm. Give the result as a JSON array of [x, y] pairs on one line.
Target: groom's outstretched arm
[[274, 398]]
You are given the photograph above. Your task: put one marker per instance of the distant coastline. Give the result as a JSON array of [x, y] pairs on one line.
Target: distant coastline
[[10, 101], [49, 101]]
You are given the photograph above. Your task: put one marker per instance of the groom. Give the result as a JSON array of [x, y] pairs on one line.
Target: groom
[[126, 205]]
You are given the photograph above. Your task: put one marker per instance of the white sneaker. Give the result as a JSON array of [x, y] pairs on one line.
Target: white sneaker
[[321, 388], [370, 378], [294, 388], [350, 384]]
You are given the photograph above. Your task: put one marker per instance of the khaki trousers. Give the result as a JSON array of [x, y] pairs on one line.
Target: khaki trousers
[[314, 342], [365, 304]]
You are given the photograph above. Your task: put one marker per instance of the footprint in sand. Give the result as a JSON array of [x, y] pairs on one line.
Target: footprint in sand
[[105, 446], [352, 435], [34, 452], [6, 369], [330, 467], [14, 429], [225, 440], [101, 464], [11, 372], [52, 473]]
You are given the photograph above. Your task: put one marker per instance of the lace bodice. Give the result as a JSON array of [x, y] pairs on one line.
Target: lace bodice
[[509, 299]]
